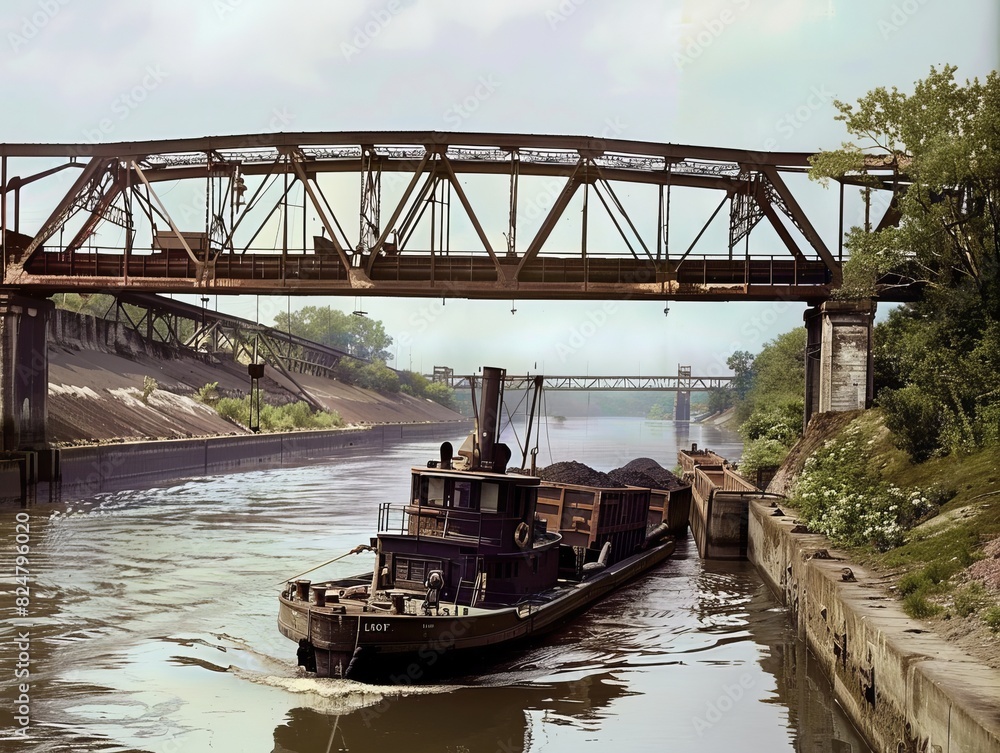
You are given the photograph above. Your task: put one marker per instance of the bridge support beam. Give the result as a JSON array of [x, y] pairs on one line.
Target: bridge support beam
[[24, 371], [838, 356]]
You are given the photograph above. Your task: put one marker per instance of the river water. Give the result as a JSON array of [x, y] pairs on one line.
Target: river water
[[151, 626]]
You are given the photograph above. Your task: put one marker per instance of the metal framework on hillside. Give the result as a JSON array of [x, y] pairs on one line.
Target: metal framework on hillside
[[221, 334], [123, 224]]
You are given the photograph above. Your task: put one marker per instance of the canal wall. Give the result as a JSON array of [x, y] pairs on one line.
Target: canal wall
[[73, 472], [904, 687]]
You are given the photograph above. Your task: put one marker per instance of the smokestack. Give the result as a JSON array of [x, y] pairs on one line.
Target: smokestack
[[489, 414]]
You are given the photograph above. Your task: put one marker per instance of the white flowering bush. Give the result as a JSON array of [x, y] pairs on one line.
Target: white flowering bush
[[842, 496]]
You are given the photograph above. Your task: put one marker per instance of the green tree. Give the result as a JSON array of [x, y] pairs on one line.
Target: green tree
[[936, 359], [358, 335], [741, 364], [441, 393], [98, 304], [719, 400], [773, 406], [943, 147]]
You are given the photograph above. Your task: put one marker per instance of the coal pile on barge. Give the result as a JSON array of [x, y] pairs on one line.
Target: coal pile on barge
[[572, 472], [646, 472]]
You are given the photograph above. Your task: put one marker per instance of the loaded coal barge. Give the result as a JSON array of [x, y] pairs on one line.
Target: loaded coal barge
[[466, 564]]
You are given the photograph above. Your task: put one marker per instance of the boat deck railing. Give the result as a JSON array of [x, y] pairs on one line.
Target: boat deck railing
[[450, 523]]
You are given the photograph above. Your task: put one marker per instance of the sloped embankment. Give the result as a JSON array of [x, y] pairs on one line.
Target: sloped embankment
[[822, 427], [97, 370]]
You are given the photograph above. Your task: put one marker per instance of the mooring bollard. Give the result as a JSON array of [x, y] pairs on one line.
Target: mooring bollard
[[320, 595], [302, 589]]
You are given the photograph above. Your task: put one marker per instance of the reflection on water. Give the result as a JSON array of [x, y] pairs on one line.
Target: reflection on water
[[153, 628]]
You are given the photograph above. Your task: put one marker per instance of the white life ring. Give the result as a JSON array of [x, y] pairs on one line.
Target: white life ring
[[521, 535]]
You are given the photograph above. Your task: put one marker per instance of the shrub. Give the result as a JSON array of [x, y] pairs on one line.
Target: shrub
[[236, 410], [149, 386], [914, 417], [971, 599], [992, 618], [916, 605], [842, 496], [762, 453], [208, 393], [782, 422], [911, 583], [442, 394], [278, 417]]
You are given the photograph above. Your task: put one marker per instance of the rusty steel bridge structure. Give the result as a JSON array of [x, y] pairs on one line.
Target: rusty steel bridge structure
[[418, 214], [426, 214], [679, 383]]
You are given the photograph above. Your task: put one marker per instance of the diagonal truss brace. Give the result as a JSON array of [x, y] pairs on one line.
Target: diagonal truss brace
[[549, 223], [173, 226], [794, 212], [460, 192], [296, 158], [86, 183]]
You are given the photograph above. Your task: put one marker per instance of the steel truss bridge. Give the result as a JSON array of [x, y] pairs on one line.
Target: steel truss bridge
[[606, 383], [418, 213]]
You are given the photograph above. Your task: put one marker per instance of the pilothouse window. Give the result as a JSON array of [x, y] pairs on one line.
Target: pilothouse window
[[488, 497], [462, 496], [434, 491]]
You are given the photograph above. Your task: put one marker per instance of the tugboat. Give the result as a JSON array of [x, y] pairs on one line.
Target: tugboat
[[465, 565]]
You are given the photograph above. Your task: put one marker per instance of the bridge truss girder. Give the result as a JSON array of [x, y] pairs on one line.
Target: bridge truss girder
[[126, 184], [682, 383], [182, 325]]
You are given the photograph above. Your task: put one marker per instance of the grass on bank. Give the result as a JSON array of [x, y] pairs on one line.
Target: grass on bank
[[931, 558], [273, 418]]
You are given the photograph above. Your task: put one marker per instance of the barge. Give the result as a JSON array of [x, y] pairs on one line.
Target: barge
[[466, 564]]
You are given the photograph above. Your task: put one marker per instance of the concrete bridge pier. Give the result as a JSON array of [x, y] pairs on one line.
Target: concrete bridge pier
[[24, 371], [838, 356]]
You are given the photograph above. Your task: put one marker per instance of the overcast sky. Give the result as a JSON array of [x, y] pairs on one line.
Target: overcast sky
[[738, 73]]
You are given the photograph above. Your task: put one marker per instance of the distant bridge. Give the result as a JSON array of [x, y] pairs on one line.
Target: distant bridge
[[683, 384], [608, 383]]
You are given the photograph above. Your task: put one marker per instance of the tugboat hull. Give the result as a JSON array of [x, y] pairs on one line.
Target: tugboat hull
[[408, 648]]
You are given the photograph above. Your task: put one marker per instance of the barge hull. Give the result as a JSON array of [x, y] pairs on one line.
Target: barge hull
[[407, 648]]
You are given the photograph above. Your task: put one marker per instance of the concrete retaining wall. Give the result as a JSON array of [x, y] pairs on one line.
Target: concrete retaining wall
[[905, 688], [83, 471]]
